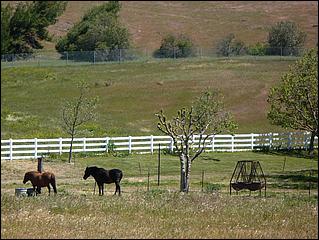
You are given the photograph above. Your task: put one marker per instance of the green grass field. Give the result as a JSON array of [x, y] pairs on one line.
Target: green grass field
[[289, 210], [131, 93]]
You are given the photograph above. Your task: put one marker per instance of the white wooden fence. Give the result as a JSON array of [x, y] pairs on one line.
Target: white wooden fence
[[33, 148]]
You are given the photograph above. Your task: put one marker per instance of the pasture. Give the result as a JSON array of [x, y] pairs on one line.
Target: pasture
[[289, 210], [131, 93]]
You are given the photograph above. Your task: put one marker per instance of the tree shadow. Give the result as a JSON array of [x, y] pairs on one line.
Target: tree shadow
[[298, 153], [301, 179], [209, 158]]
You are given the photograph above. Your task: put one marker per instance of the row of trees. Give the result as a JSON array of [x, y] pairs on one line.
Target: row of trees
[[23, 27], [293, 104], [284, 38]]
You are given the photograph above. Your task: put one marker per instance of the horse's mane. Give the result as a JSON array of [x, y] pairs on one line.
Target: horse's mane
[[95, 168]]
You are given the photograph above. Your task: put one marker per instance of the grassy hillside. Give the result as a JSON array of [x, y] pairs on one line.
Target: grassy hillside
[[206, 22], [131, 93]]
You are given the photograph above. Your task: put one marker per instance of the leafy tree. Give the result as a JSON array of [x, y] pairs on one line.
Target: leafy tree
[[99, 29], [77, 111], [24, 27], [175, 47], [294, 102], [205, 118], [230, 46], [6, 39], [285, 38]]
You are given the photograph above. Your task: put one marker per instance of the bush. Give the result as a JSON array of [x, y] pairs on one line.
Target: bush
[[211, 187], [285, 38], [175, 47], [259, 49], [230, 46]]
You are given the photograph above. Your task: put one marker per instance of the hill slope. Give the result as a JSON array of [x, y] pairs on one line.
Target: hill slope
[[131, 93], [204, 21]]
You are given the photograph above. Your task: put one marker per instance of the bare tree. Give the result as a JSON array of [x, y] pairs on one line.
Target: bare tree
[[204, 119], [77, 111]]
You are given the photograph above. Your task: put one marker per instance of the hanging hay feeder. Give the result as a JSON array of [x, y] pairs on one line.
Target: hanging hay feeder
[[248, 175]]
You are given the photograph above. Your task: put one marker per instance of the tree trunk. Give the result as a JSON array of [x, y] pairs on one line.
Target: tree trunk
[[188, 173], [70, 152], [311, 145], [183, 181]]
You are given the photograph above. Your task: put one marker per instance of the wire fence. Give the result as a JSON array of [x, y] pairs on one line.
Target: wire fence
[[53, 58]]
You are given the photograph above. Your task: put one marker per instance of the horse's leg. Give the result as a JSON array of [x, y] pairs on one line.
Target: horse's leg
[[49, 189], [35, 192], [54, 187], [117, 188], [100, 189]]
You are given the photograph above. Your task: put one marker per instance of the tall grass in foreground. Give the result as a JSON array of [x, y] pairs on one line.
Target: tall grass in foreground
[[158, 214]]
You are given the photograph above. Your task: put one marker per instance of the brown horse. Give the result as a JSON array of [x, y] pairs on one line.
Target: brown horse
[[40, 180]]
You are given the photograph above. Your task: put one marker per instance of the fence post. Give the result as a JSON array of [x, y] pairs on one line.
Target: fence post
[[11, 148], [252, 141], [203, 180], [171, 145], [107, 144], [60, 145], [84, 144], [270, 140], [129, 144], [152, 150], [40, 164], [35, 148], [148, 180], [232, 143], [305, 143], [289, 141], [213, 143], [159, 165]]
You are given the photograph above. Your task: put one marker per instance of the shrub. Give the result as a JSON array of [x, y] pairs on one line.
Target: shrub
[[175, 47], [259, 49], [230, 46], [285, 38]]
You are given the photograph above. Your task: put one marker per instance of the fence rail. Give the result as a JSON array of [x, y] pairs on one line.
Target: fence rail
[[12, 149]]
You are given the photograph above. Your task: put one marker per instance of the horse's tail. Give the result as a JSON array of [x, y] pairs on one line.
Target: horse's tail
[[53, 183], [121, 175]]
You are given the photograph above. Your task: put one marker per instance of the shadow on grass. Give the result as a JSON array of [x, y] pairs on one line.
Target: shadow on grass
[[302, 179], [299, 153]]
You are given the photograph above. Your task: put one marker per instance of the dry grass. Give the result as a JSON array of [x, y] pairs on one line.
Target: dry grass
[[157, 215], [205, 22], [162, 212]]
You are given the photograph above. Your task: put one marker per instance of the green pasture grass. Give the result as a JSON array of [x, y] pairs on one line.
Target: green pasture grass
[[149, 210], [131, 93]]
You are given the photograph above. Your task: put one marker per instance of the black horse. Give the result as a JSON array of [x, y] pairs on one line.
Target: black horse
[[102, 176]]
